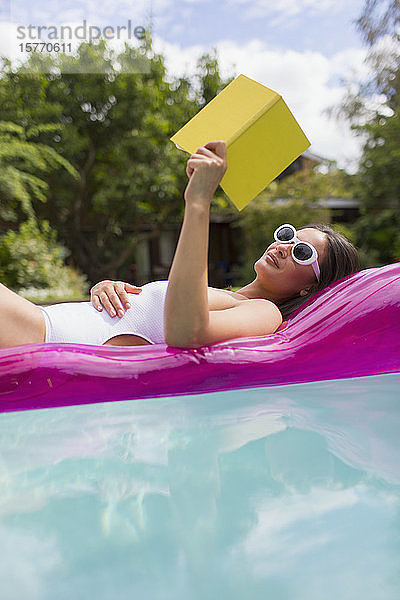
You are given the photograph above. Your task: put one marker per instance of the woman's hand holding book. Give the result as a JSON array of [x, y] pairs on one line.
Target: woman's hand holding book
[[205, 169]]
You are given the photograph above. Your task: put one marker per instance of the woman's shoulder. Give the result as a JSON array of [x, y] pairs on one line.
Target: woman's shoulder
[[219, 299], [236, 297]]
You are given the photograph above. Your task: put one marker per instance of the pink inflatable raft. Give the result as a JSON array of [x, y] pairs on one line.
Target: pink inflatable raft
[[350, 329]]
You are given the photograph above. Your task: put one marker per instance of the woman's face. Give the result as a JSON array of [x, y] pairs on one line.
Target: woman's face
[[288, 278]]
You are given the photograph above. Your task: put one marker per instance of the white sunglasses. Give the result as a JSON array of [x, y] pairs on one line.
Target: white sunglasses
[[302, 252]]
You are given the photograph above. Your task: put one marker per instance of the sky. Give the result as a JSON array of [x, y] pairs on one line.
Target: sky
[[302, 49]]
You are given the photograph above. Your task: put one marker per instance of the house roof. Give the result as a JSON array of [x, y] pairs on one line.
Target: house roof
[[311, 156]]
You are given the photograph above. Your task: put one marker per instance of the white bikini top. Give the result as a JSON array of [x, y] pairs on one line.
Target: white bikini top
[[82, 323]]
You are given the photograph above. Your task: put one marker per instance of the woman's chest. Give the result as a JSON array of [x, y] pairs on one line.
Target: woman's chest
[[221, 299]]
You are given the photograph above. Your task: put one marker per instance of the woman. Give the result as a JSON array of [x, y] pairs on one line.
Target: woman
[[184, 311]]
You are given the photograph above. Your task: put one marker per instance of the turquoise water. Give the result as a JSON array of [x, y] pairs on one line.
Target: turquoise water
[[289, 492]]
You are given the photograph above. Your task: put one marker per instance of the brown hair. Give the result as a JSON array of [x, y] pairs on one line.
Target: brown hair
[[341, 259]]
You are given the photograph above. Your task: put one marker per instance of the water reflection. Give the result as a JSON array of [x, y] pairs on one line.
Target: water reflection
[[287, 492]]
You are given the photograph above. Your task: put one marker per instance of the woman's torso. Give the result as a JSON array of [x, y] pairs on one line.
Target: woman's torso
[[143, 323]]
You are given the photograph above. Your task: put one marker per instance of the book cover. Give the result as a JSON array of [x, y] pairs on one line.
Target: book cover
[[261, 135]]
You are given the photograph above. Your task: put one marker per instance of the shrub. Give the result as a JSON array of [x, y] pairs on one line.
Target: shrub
[[32, 264]]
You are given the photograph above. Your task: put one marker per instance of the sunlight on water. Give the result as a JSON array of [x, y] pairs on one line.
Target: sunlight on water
[[288, 492]]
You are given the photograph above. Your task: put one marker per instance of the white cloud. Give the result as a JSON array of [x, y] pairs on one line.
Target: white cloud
[[95, 11], [308, 81], [11, 39], [283, 10], [287, 8], [279, 12]]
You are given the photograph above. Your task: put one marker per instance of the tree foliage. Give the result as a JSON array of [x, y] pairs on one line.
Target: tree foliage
[[373, 107], [32, 261], [115, 130], [30, 258], [378, 229], [379, 18], [21, 161]]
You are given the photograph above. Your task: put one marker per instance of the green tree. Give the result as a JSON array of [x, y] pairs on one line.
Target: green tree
[[32, 263], [30, 257], [377, 123], [209, 78], [21, 161], [379, 18], [116, 129], [378, 229]]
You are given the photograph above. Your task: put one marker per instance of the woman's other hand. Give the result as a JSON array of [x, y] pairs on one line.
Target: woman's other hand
[[113, 295], [205, 170]]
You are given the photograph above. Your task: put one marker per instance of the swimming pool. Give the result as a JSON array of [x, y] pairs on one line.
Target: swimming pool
[[285, 492]]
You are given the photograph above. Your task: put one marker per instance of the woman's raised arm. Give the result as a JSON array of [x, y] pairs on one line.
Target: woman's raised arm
[[186, 304]]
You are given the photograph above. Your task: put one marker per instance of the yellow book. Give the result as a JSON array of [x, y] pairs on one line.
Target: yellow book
[[261, 135]]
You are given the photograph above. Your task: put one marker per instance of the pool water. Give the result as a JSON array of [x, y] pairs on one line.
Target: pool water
[[289, 492]]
